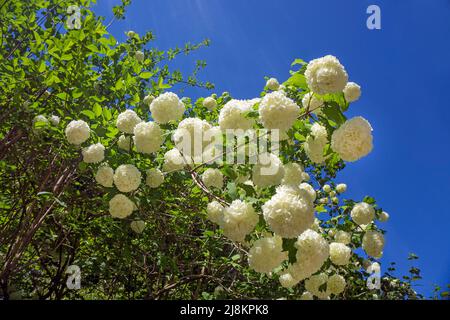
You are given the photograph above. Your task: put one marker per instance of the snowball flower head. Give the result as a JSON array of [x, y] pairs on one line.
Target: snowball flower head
[[340, 254], [353, 139], [139, 56], [148, 137], [269, 171], [173, 161], [189, 137], [154, 178], [289, 212], [343, 237], [276, 111], [314, 283], [287, 280], [239, 219], [95, 153], [167, 107], [127, 178], [373, 243], [124, 142], [315, 143], [148, 99], [352, 92], [313, 103], [104, 176], [210, 103], [307, 296], [233, 114], [384, 216], [266, 254], [336, 284], [77, 132], [362, 213], [120, 206], [55, 120], [292, 174], [127, 120], [213, 178], [214, 212], [309, 190], [341, 188], [326, 75], [137, 226], [272, 84]]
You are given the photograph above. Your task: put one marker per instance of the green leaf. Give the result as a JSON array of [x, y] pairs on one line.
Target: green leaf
[[97, 110], [297, 80], [146, 75], [89, 114]]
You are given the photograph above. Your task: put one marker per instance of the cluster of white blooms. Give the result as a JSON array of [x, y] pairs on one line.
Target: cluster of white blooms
[[276, 111], [315, 143], [287, 280], [233, 114], [124, 142], [212, 178], [137, 226], [384, 216], [105, 176], [272, 84], [154, 178], [189, 136], [326, 188], [343, 237], [353, 139], [214, 212], [336, 284], [373, 243], [313, 103], [340, 254], [307, 296], [148, 99], [289, 212], [131, 34], [309, 190], [120, 206], [139, 56], [312, 252], [55, 120], [266, 254], [326, 75], [314, 284], [352, 92], [269, 171], [362, 213], [341, 188], [210, 103], [148, 137], [167, 107], [77, 132], [95, 153], [127, 120], [173, 161], [127, 178], [239, 219], [292, 174]]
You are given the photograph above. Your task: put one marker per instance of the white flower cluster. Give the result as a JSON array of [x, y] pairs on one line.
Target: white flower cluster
[[148, 137], [326, 75], [137, 226], [289, 212], [213, 178], [127, 120], [210, 103], [341, 188], [189, 137], [336, 284], [266, 254], [139, 56], [362, 213], [313, 103], [95, 153], [269, 171], [127, 178], [173, 161], [309, 190], [343, 237], [233, 114], [352, 92], [292, 174], [124, 142], [120, 206], [272, 84], [167, 107], [276, 111], [104, 176], [215, 212], [373, 243], [148, 99], [77, 132], [315, 143], [239, 219], [314, 284], [383, 217], [353, 139], [154, 178], [340, 254]]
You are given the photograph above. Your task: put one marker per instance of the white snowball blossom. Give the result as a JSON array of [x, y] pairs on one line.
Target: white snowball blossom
[[276, 111], [124, 142], [315, 143], [127, 178], [120, 206], [104, 176], [189, 137], [139, 56], [213, 178], [313, 103], [289, 212], [137, 226], [154, 178], [326, 75], [55, 120], [336, 284], [314, 284], [307, 296], [353, 139], [373, 243], [352, 92], [269, 171], [384, 216], [148, 99], [127, 120], [362, 213], [214, 212], [233, 114], [266, 254], [148, 137], [210, 103], [272, 84], [167, 107], [77, 132], [341, 188], [292, 174], [343, 237], [309, 190], [95, 153], [173, 161], [340, 254], [239, 219]]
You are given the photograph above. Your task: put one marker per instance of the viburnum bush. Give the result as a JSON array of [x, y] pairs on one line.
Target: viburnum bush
[[105, 167]]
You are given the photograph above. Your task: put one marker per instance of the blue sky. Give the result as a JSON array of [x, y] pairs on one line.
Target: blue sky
[[403, 70]]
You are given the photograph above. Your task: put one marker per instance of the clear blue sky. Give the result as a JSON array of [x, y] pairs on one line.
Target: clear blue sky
[[404, 72]]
